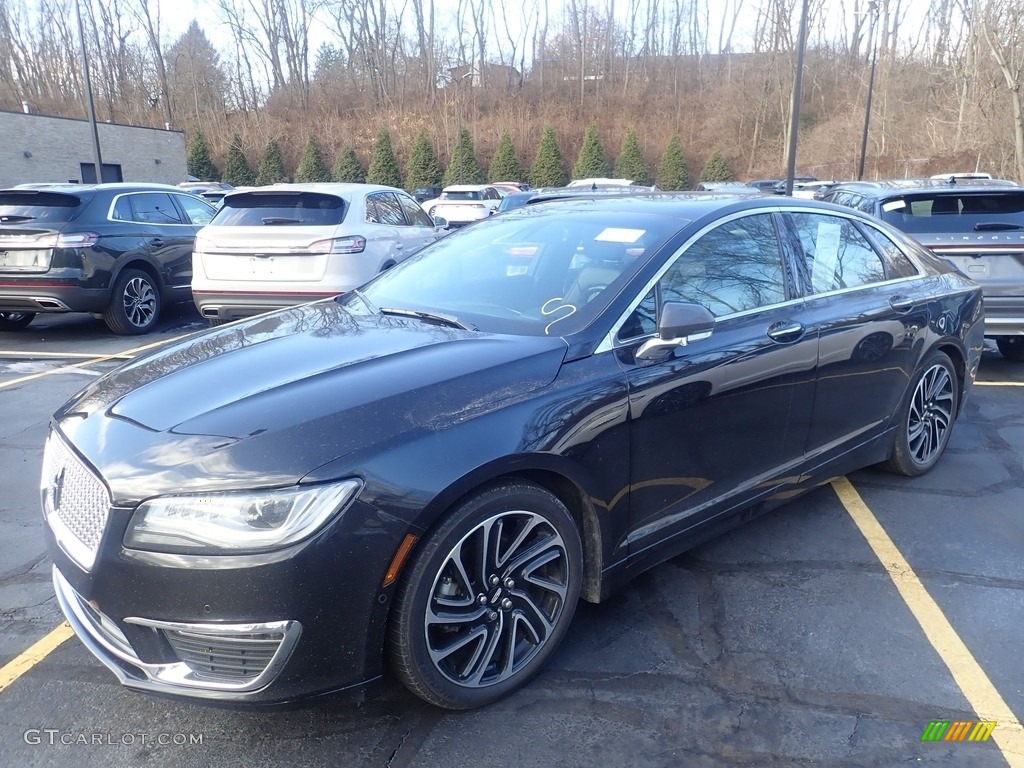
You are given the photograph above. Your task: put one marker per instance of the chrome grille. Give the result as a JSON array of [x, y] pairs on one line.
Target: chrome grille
[[75, 502], [238, 657]]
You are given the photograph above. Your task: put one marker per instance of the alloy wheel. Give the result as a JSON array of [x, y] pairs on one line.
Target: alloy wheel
[[496, 599], [139, 300], [931, 414]]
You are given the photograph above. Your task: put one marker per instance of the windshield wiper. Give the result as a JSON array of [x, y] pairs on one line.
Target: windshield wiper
[[15, 219], [270, 220], [435, 317], [996, 226]]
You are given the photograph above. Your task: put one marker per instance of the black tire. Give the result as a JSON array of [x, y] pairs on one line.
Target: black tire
[[926, 417], [1011, 347], [506, 611], [15, 321], [134, 304]]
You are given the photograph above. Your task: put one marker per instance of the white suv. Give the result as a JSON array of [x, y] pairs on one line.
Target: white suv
[[285, 244]]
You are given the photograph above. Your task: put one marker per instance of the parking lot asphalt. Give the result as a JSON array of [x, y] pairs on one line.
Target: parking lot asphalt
[[783, 643]]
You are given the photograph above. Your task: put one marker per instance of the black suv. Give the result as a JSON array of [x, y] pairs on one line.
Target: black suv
[[976, 225], [120, 251]]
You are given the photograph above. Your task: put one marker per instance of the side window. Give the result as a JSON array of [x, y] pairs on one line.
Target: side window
[[197, 211], [733, 268], [389, 210], [154, 208], [865, 204], [122, 209], [837, 255], [372, 215], [896, 262], [492, 194], [413, 213]]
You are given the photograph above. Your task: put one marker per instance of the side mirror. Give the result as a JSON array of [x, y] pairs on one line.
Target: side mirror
[[440, 222], [678, 325]]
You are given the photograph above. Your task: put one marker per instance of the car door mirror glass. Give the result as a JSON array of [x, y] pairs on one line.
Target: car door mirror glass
[[440, 222], [679, 324]]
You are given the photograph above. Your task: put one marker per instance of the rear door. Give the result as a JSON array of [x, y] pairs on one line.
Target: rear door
[[419, 230], [168, 234], [864, 307]]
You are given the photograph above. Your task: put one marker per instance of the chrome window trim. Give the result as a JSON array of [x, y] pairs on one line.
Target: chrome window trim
[[609, 342], [113, 204]]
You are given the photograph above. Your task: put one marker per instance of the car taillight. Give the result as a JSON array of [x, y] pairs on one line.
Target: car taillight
[[68, 240], [350, 244]]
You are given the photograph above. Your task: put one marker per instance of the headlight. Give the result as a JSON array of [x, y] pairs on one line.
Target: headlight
[[236, 522]]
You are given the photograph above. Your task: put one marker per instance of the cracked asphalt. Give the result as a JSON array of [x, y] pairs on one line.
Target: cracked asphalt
[[782, 643]]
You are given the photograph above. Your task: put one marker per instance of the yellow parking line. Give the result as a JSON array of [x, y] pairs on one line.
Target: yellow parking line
[[999, 384], [57, 355], [93, 360], [968, 674], [39, 651]]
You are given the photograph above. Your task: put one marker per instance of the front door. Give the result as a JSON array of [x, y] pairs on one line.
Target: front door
[[723, 420]]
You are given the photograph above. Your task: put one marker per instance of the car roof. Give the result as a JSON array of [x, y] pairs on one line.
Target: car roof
[[889, 187], [465, 187], [339, 189], [681, 205]]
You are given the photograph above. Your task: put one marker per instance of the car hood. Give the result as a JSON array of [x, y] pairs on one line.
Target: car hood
[[266, 401]]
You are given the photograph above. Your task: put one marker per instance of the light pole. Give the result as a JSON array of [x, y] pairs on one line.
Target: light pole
[[794, 107], [873, 10], [97, 157]]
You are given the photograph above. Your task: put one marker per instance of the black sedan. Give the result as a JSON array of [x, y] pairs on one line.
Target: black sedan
[[429, 472], [121, 251]]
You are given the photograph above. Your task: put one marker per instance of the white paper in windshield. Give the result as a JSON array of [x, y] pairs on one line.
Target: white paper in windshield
[[619, 235], [826, 256]]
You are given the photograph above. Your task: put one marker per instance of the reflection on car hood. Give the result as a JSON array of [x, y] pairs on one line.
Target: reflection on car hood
[[266, 401]]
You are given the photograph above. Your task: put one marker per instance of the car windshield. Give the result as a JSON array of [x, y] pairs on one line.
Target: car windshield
[[464, 195], [301, 209], [535, 271], [956, 212], [38, 207]]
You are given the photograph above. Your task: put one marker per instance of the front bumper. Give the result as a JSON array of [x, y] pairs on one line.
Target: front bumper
[[217, 661]]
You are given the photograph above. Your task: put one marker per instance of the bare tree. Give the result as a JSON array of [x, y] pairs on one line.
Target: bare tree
[[1002, 23]]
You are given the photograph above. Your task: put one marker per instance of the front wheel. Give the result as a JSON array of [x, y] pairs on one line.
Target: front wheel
[[487, 598], [1011, 347], [926, 417], [15, 321], [134, 304]]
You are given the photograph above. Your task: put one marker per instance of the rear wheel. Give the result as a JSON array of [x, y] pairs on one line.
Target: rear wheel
[[15, 321], [926, 417], [1011, 347], [487, 598], [134, 304]]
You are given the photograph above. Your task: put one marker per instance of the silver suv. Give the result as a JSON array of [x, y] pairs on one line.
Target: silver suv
[[285, 244], [975, 224]]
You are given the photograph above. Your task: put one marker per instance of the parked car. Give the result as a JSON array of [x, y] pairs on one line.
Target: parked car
[[211, 191], [813, 190], [462, 204], [977, 225], [780, 186], [281, 245], [423, 194], [428, 472], [120, 251], [764, 185]]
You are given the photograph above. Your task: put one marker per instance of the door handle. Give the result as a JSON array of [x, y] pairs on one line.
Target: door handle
[[156, 242], [901, 303], [786, 331]]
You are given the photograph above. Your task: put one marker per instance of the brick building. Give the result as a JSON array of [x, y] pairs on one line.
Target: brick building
[[37, 148]]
